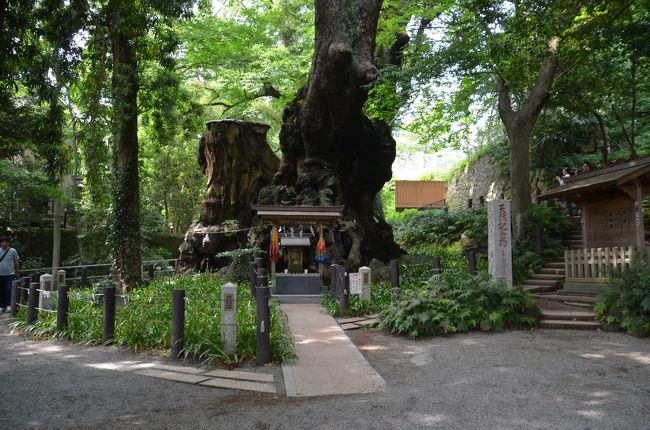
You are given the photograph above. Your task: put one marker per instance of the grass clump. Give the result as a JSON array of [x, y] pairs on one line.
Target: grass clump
[[454, 303], [144, 322], [626, 300]]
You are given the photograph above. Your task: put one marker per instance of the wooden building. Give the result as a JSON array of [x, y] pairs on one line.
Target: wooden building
[[611, 218], [419, 194]]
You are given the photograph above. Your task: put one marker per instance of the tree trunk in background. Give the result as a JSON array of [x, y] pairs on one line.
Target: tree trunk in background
[[603, 133], [331, 153], [238, 162], [519, 127], [126, 192], [57, 210]]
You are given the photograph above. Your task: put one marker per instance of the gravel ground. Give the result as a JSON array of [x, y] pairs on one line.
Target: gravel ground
[[545, 379]]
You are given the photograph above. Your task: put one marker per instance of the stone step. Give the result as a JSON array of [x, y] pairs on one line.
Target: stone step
[[566, 298], [298, 298], [548, 277], [552, 271], [568, 325], [539, 288], [549, 314], [555, 265], [584, 288], [536, 281]]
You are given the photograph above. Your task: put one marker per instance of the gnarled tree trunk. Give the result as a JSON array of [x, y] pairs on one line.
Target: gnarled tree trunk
[[238, 162], [331, 152]]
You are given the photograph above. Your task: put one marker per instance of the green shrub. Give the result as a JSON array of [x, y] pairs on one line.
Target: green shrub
[[457, 303], [144, 323], [626, 300]]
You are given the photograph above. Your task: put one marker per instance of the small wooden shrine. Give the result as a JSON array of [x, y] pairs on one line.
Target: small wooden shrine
[[297, 230], [612, 221]]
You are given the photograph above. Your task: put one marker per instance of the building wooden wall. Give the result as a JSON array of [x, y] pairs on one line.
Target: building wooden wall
[[420, 194]]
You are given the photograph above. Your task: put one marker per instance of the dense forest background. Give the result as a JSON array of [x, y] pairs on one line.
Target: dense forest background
[[102, 102]]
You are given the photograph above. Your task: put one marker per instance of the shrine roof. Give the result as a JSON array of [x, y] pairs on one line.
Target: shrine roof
[[298, 213], [601, 180]]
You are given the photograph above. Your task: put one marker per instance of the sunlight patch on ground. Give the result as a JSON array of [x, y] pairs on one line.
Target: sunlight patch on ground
[[592, 356], [590, 413], [426, 419], [636, 356], [373, 348]]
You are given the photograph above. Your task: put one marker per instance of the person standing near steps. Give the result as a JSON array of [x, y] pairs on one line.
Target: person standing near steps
[[9, 269]]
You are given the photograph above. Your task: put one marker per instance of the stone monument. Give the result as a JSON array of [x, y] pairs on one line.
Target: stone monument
[[366, 282], [500, 241], [46, 295], [229, 318]]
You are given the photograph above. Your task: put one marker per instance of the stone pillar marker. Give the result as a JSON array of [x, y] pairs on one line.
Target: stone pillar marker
[[46, 295], [229, 318], [60, 277], [500, 241], [366, 282]]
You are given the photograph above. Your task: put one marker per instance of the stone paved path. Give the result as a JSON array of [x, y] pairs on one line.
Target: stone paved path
[[328, 363]]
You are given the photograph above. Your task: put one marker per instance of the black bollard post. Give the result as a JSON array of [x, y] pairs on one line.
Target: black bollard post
[[436, 265], [481, 200], [446, 209], [32, 311], [344, 290], [263, 352], [62, 307], [538, 240], [109, 315], [469, 203], [394, 278], [24, 292], [178, 322], [253, 277], [14, 297], [152, 272], [471, 256], [334, 281], [84, 277]]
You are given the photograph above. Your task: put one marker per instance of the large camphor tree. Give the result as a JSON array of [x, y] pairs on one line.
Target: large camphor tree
[[332, 154]]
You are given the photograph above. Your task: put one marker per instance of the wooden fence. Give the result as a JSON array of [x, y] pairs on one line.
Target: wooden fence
[[596, 264]]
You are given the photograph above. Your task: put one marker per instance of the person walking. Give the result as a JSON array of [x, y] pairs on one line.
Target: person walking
[[9, 269]]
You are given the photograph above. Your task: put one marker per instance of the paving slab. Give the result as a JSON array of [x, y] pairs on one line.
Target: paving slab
[[238, 374], [350, 326], [173, 376], [239, 385], [349, 320], [365, 323], [181, 369], [327, 361]]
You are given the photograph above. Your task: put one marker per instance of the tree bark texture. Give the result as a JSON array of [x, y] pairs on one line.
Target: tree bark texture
[[331, 152], [126, 193], [519, 127], [238, 162]]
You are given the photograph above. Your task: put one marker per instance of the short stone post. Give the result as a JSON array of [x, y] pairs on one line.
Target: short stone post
[[84, 277], [469, 204], [229, 318], [394, 278], [109, 315], [32, 311], [344, 291], [62, 306], [437, 270], [46, 296], [178, 322], [366, 283], [263, 352], [471, 258], [500, 241]]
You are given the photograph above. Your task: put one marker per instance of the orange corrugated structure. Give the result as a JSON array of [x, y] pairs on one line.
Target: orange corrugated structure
[[420, 194]]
